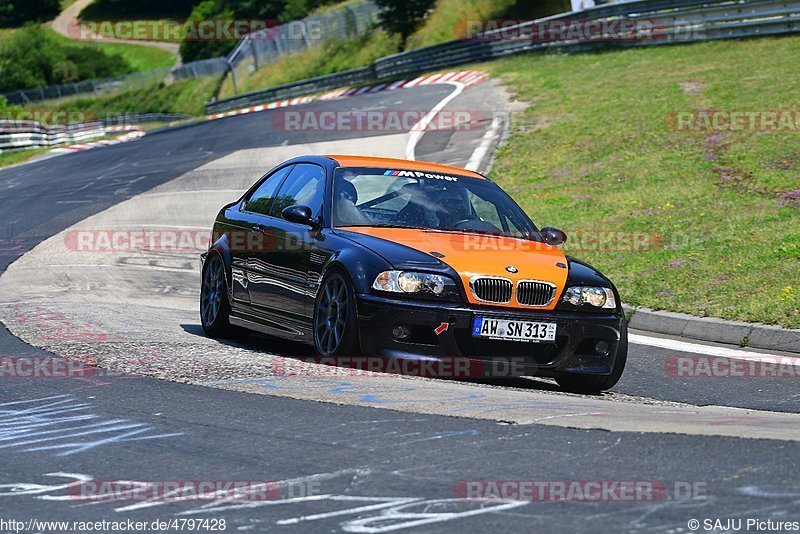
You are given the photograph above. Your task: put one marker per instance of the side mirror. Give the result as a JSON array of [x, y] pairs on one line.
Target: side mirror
[[298, 214], [553, 236]]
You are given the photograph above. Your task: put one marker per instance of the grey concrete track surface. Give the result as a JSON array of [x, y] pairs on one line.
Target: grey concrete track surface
[[369, 468]]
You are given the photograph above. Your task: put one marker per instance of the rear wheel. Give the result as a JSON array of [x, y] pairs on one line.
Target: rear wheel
[[215, 308], [595, 383], [335, 321]]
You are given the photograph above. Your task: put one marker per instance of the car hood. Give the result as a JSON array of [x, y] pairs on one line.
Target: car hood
[[472, 255]]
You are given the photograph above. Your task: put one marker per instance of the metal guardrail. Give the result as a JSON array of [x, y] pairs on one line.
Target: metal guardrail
[[294, 89], [20, 135], [673, 21], [141, 118], [27, 134]]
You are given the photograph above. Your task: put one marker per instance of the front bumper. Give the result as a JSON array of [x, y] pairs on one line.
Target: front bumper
[[572, 352]]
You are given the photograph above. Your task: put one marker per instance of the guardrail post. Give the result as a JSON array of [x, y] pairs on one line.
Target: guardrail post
[[233, 76], [254, 52]]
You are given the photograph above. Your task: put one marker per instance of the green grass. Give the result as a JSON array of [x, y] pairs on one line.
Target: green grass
[[12, 158], [184, 96], [593, 153], [448, 20], [139, 57], [331, 57]]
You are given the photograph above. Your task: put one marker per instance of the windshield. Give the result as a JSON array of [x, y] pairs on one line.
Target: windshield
[[431, 201]]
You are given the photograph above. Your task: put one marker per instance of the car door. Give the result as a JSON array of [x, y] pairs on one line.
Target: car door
[[247, 238], [285, 291]]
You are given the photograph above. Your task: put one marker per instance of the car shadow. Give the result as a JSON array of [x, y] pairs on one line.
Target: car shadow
[[270, 345], [258, 342]]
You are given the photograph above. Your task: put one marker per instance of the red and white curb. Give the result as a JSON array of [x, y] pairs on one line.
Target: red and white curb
[[262, 107], [132, 135], [466, 77]]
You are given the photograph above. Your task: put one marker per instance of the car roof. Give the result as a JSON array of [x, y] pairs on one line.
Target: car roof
[[402, 164]]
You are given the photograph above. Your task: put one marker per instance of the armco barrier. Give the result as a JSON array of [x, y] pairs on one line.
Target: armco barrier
[[27, 134], [677, 21]]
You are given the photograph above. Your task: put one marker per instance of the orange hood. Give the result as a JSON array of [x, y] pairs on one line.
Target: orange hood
[[473, 255]]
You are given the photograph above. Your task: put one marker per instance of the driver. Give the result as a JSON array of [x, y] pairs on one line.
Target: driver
[[346, 213], [452, 207]]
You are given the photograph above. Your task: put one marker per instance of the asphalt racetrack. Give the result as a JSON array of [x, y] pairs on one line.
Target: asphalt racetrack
[[353, 454]]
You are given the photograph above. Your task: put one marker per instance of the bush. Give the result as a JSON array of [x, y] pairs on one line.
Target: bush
[[35, 57]]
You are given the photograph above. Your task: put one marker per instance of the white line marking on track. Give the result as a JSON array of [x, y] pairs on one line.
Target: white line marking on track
[[709, 350], [476, 159], [418, 130]]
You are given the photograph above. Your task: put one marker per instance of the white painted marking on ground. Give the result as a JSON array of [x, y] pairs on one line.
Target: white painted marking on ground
[[709, 350], [476, 159], [418, 130]]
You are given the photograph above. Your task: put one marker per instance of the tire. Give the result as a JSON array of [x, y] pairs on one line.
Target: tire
[[335, 318], [215, 308], [579, 383]]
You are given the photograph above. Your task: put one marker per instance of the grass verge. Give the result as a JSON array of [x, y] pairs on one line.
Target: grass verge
[[595, 152], [13, 158], [183, 96]]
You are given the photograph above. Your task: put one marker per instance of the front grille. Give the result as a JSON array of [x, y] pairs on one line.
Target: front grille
[[530, 293], [492, 289]]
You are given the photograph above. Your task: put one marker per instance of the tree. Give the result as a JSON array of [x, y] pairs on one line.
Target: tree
[[403, 16], [17, 12]]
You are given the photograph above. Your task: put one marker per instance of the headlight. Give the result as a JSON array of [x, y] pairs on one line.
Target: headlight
[[599, 297], [410, 282]]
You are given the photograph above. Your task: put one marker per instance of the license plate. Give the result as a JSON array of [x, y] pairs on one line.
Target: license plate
[[513, 330]]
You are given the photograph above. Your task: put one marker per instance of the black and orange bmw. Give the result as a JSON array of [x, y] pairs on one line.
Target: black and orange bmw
[[411, 260]]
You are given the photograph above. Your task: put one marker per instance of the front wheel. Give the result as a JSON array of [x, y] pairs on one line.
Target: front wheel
[[335, 321], [579, 383]]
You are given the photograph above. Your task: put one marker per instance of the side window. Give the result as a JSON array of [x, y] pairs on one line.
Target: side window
[[305, 186], [261, 199]]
